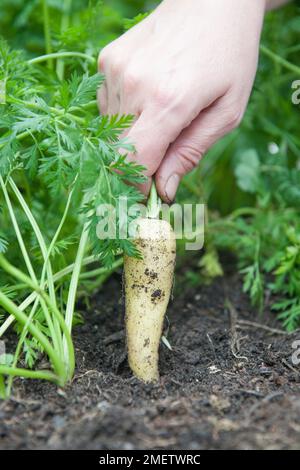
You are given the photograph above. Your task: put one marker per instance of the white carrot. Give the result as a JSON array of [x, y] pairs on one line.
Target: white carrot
[[148, 285]]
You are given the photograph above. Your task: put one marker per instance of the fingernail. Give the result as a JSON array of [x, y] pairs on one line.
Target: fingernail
[[171, 187]]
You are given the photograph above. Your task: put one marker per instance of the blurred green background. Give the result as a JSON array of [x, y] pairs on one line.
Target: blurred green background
[[250, 180]]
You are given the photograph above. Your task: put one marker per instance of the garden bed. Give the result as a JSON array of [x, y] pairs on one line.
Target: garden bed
[[227, 383]]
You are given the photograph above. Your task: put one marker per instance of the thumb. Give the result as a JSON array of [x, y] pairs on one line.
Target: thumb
[[187, 150]]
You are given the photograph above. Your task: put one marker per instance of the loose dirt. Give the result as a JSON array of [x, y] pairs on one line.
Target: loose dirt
[[227, 383]]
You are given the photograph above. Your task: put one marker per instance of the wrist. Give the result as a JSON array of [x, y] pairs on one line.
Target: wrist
[[272, 4]]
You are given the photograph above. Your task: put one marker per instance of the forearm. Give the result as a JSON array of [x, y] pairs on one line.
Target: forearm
[[272, 4]]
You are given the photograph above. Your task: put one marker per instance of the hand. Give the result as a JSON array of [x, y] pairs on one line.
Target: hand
[[186, 72]]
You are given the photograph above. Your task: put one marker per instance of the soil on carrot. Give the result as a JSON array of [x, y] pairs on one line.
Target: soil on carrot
[[226, 384]]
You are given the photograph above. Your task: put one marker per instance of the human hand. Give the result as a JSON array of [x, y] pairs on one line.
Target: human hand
[[186, 72]]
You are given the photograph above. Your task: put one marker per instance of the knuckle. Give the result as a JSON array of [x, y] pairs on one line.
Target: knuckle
[[234, 117], [165, 98], [189, 156], [103, 58], [130, 81], [116, 67]]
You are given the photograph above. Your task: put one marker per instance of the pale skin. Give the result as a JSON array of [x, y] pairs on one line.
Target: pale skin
[[186, 72]]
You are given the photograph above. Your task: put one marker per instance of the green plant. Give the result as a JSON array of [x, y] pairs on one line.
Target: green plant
[[265, 237], [250, 180], [59, 160]]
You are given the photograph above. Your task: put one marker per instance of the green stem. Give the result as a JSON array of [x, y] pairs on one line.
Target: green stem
[[74, 281], [45, 253], [15, 272], [56, 111], [58, 277], [100, 271], [84, 106], [24, 251], [47, 33], [28, 301], [242, 211], [91, 286], [154, 203], [293, 49], [36, 303], [57, 340], [3, 394], [108, 182], [17, 230], [21, 136], [31, 298], [20, 344], [61, 55], [65, 19], [69, 269], [279, 60], [32, 374], [12, 308]]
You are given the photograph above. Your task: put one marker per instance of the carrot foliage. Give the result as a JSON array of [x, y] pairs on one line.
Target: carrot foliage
[[59, 160]]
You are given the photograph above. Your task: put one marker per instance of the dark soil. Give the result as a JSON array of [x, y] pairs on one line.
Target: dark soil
[[226, 384]]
